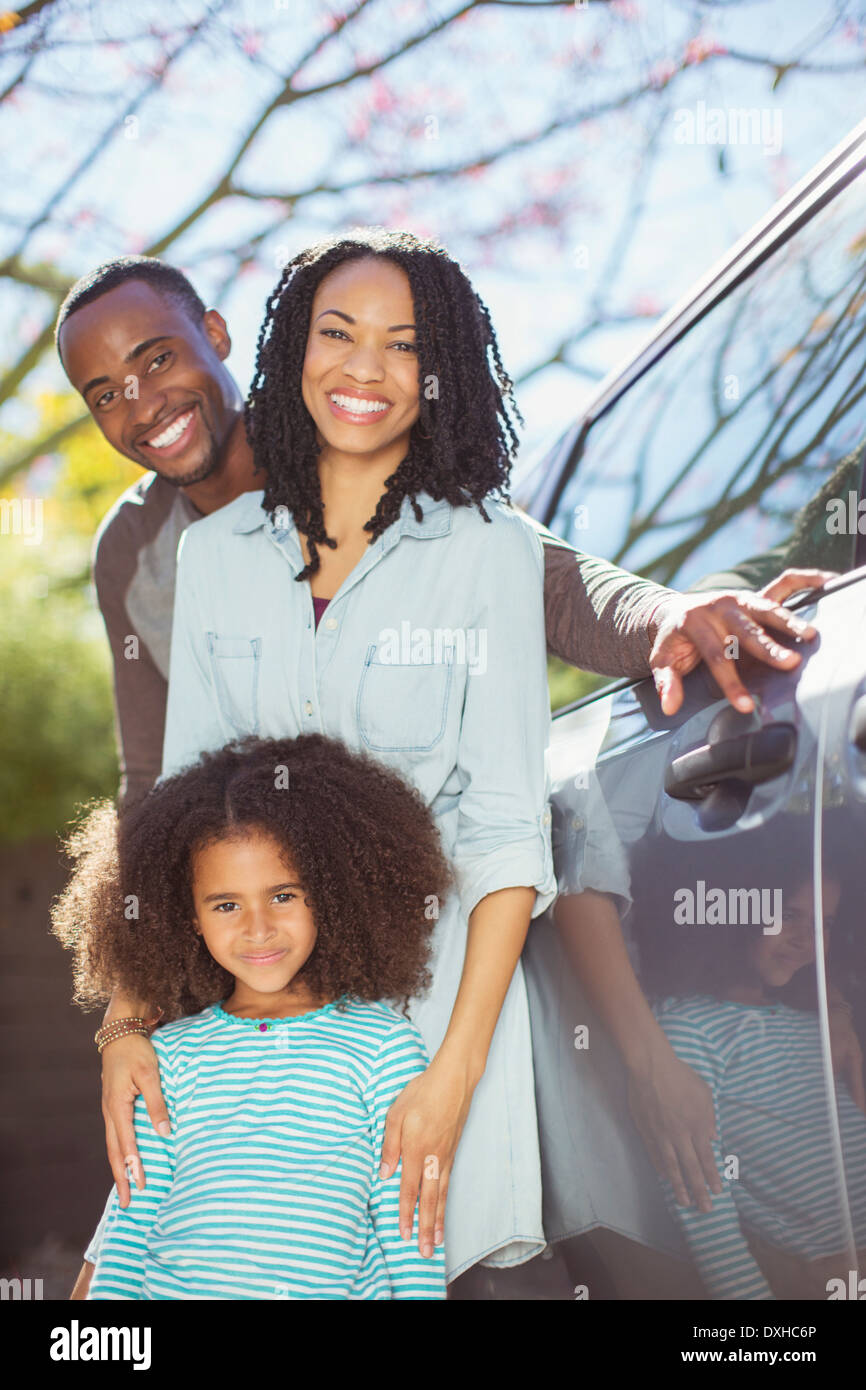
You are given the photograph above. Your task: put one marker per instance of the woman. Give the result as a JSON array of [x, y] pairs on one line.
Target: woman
[[377, 593]]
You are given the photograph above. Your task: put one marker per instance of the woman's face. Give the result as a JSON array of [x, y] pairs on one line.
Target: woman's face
[[777, 959], [252, 913], [360, 375]]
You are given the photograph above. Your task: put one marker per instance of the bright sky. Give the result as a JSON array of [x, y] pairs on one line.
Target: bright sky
[[501, 71]]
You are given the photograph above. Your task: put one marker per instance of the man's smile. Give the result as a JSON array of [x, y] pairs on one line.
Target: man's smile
[[170, 439]]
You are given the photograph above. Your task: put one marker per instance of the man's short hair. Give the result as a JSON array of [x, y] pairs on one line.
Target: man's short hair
[[165, 279]]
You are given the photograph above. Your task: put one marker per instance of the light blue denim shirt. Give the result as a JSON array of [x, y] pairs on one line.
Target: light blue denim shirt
[[431, 656]]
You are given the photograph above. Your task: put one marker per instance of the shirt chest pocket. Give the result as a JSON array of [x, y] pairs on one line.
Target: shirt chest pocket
[[403, 707], [234, 663]]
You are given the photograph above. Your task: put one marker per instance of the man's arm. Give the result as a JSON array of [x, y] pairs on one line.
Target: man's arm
[[605, 619], [597, 616], [140, 689]]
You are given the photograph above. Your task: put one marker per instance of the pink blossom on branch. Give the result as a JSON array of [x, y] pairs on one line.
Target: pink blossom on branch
[[661, 73], [697, 50], [250, 41], [645, 306], [382, 97]]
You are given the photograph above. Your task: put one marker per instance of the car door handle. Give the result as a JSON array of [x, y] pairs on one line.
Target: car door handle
[[858, 724], [747, 759]]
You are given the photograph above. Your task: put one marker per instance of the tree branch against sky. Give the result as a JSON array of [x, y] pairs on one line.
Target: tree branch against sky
[[223, 136]]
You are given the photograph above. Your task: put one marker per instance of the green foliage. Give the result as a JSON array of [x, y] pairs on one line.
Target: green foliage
[[567, 683], [57, 746], [56, 732]]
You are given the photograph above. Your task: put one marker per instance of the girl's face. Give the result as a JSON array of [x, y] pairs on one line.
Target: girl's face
[[251, 911], [360, 375], [776, 959]]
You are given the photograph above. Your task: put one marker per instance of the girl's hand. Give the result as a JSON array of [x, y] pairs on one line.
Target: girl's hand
[[129, 1068], [673, 1109], [424, 1125], [846, 1052]]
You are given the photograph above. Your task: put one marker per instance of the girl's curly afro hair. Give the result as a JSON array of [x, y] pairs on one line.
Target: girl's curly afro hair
[[363, 841], [472, 439]]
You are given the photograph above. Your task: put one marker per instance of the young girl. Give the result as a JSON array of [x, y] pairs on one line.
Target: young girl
[[739, 1003], [268, 898]]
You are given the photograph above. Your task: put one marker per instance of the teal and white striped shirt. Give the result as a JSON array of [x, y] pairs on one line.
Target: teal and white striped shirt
[[763, 1064], [268, 1186]]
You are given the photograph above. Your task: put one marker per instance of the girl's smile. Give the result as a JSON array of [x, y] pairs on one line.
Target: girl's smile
[[255, 920], [263, 958], [775, 960]]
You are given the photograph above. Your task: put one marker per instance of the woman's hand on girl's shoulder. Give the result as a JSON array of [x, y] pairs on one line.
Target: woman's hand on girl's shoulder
[[423, 1128], [130, 1068]]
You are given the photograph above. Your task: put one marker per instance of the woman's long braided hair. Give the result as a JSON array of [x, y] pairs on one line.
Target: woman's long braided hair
[[472, 440]]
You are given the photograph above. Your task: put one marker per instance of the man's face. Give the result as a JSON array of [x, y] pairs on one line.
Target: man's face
[[153, 380]]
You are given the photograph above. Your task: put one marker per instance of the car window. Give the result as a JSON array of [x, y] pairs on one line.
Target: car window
[[743, 448]]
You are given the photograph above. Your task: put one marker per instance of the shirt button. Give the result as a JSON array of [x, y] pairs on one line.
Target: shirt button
[[546, 818], [331, 623], [308, 707], [577, 823]]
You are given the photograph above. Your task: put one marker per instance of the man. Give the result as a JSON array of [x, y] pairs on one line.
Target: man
[[148, 359]]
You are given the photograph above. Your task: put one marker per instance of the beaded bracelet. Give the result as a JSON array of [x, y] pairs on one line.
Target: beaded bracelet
[[120, 1028]]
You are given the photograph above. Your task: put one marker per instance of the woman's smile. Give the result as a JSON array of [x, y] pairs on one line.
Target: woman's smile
[[358, 407]]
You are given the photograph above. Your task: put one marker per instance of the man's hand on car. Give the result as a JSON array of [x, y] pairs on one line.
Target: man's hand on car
[[690, 628]]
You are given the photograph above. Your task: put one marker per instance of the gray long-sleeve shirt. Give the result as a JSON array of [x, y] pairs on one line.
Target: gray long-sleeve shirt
[[596, 615]]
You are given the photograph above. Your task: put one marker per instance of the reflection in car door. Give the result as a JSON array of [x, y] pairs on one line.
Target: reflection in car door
[[699, 833]]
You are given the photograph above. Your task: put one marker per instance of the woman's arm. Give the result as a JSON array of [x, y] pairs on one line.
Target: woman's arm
[[402, 1057], [502, 857], [671, 1105], [427, 1119], [129, 1069], [715, 1238]]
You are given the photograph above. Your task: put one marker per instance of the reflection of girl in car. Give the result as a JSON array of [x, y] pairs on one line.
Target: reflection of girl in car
[[739, 1007]]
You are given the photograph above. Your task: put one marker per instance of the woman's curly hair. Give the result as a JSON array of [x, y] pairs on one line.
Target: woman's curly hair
[[363, 841], [472, 439]]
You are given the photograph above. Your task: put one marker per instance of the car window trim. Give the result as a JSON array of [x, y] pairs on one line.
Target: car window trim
[[819, 187]]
